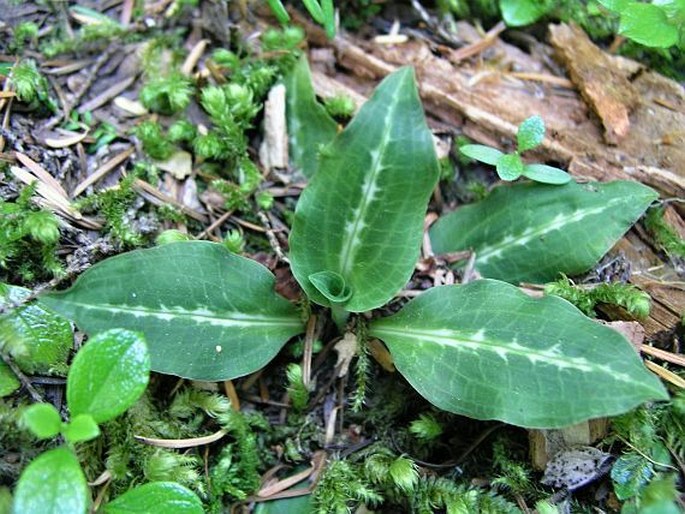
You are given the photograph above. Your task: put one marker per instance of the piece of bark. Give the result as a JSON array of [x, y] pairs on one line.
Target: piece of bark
[[545, 444], [487, 98], [604, 87], [273, 152]]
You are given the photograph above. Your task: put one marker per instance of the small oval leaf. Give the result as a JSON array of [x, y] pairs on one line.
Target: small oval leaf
[[81, 428], [384, 161], [156, 498], [546, 174], [108, 375], [43, 420], [509, 167], [331, 285], [530, 134], [52, 484], [532, 232], [488, 351], [482, 153], [206, 313]]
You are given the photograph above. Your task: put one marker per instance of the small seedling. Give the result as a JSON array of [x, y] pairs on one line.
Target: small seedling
[[510, 166]]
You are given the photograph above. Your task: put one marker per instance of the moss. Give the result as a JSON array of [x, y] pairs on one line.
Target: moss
[[664, 235]]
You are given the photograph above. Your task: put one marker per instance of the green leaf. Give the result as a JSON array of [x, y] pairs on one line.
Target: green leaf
[[517, 13], [546, 174], [530, 133], [310, 127], [488, 351], [43, 420], [206, 314], [509, 167], [8, 380], [482, 153], [630, 473], [533, 232], [361, 216], [331, 285], [108, 375], [648, 25], [156, 498], [81, 428], [52, 484], [44, 335]]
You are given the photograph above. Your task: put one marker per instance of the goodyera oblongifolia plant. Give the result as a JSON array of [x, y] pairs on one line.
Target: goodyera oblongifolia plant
[[484, 349]]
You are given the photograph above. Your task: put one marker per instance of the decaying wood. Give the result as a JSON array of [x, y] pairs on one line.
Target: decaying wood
[[545, 444], [485, 96], [601, 83]]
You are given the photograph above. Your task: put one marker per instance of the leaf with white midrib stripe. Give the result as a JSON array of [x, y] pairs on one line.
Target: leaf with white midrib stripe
[[532, 232], [488, 351], [206, 313], [360, 219]]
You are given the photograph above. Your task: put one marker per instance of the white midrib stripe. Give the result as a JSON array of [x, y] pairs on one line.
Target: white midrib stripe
[[201, 317], [352, 239], [476, 342], [495, 249]]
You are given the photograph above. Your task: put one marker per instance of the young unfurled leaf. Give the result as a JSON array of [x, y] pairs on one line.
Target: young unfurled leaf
[[81, 428], [509, 167], [488, 351], [108, 375], [482, 153], [546, 174], [533, 232], [310, 127], [52, 484], [43, 420], [361, 217], [530, 133], [206, 313], [156, 498]]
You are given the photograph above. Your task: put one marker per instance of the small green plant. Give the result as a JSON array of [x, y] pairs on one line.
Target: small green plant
[[656, 24], [354, 242], [28, 238], [23, 32], [321, 11], [107, 376], [509, 166], [30, 86], [167, 94], [664, 234]]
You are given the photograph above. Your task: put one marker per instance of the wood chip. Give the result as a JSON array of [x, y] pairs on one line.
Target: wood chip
[[194, 56], [180, 164], [107, 95], [132, 107], [273, 152], [103, 170], [605, 87]]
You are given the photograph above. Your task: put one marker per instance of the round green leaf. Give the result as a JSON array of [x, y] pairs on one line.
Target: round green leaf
[[43, 420], [546, 174], [206, 313], [509, 167], [81, 428], [488, 351], [530, 133], [52, 484], [44, 335], [648, 25], [482, 153], [156, 498], [108, 374], [517, 13]]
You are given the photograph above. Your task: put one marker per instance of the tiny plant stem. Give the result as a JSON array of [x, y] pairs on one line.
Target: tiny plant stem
[[340, 316]]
